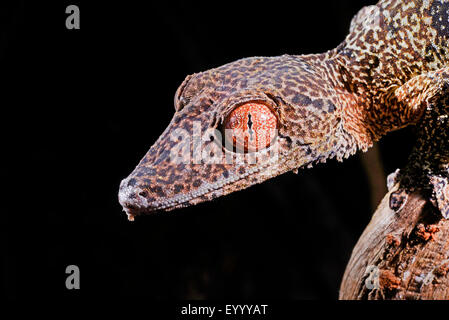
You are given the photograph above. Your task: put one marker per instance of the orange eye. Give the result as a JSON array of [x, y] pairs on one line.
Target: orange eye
[[251, 127]]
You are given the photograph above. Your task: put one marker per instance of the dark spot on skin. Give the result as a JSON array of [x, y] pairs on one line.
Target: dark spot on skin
[[277, 78], [345, 51], [160, 192], [437, 53], [375, 62], [331, 107], [160, 181], [242, 170], [131, 182], [225, 174], [429, 54], [178, 188], [301, 100], [347, 79], [288, 92], [164, 156], [196, 183], [290, 83], [282, 68], [318, 104], [157, 190], [177, 119], [172, 179], [187, 126]]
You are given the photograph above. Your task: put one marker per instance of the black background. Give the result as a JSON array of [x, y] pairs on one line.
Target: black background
[[81, 107]]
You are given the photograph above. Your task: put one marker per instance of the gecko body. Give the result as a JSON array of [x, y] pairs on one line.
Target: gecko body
[[389, 72]]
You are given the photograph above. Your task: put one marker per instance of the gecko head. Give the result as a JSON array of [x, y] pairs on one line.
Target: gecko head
[[235, 126]]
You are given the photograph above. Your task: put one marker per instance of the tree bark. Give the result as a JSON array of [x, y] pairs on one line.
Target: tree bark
[[400, 255]]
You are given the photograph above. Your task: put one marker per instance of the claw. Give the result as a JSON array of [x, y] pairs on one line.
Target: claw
[[392, 179]]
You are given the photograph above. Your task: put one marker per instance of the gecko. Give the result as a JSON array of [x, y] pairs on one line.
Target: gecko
[[242, 123]]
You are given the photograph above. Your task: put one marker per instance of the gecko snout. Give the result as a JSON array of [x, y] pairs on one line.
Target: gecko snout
[[132, 198]]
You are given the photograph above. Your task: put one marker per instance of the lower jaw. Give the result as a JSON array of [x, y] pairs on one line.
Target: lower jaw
[[209, 196], [132, 213]]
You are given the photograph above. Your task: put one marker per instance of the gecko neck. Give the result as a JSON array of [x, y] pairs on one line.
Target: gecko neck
[[352, 93]]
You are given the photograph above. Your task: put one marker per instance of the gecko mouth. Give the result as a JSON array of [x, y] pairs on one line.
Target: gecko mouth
[[136, 202]]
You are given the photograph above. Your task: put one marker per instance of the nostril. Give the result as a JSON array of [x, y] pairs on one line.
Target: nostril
[[143, 193]]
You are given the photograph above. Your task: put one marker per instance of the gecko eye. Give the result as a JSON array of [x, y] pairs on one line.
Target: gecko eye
[[250, 127]]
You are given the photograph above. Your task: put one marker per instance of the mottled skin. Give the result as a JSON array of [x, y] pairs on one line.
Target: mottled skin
[[390, 72]]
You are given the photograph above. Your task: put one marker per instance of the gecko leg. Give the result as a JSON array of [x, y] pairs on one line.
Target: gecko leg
[[428, 165]]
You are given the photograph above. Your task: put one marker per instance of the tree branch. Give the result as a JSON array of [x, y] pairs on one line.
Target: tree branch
[[400, 255]]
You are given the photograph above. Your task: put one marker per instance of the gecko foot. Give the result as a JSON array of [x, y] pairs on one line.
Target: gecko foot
[[436, 186], [427, 169], [440, 194], [398, 198]]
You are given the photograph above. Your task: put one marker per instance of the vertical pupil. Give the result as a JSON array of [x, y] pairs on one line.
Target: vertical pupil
[[250, 125]]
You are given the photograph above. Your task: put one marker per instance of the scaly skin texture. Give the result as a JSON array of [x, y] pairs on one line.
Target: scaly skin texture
[[389, 72]]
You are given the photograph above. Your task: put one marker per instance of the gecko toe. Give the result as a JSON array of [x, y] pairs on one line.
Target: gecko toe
[[392, 179], [398, 200]]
